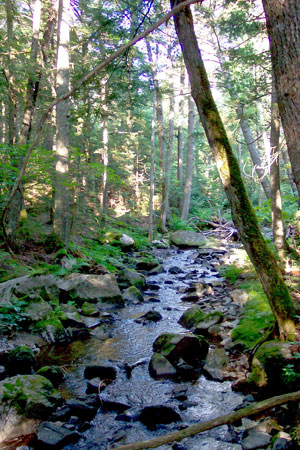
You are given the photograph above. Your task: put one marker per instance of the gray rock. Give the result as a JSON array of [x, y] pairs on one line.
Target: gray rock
[[132, 278], [158, 414], [126, 241], [186, 238], [35, 287], [104, 372], [95, 288], [160, 367], [256, 440], [52, 435], [152, 316]]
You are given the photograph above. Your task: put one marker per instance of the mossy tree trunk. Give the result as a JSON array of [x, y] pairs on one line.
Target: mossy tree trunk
[[241, 209]]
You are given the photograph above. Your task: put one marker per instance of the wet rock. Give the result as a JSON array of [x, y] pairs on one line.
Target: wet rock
[[256, 440], [71, 317], [160, 244], [158, 414], [197, 321], [104, 372], [62, 413], [52, 373], [131, 415], [160, 367], [283, 442], [180, 392], [81, 408], [130, 277], [132, 294], [186, 238], [32, 395], [179, 348], [157, 270], [147, 264], [129, 367], [94, 288], [20, 360], [152, 316], [119, 403], [215, 363], [52, 435], [175, 270], [153, 286]]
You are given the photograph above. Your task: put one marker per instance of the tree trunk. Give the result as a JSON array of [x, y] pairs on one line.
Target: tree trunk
[[180, 136], [61, 225], [151, 196], [287, 164], [283, 25], [189, 162], [241, 209], [250, 141], [168, 159], [277, 222]]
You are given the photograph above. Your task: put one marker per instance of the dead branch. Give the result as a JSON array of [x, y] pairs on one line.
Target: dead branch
[[218, 421]]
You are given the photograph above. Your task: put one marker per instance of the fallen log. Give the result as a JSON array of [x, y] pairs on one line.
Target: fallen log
[[213, 423]]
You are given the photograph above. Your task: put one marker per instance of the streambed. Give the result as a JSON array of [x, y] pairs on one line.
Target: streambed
[[128, 343]]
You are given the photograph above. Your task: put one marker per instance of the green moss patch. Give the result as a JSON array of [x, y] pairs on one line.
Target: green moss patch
[[257, 319]]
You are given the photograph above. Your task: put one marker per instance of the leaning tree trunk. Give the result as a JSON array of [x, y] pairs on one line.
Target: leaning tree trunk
[[283, 25], [241, 209]]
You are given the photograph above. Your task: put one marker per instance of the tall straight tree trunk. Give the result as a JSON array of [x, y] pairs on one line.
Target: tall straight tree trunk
[[151, 183], [168, 159], [287, 164], [242, 212], [277, 222], [283, 26], [12, 106], [61, 225], [189, 162], [250, 141], [180, 134]]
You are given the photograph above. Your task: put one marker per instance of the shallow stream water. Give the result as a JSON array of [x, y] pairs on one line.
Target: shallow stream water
[[130, 341]]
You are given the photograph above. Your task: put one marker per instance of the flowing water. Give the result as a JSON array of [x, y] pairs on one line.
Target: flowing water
[[130, 341]]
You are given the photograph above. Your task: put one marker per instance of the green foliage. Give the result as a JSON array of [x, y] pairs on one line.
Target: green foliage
[[12, 316], [53, 243], [231, 272], [177, 223]]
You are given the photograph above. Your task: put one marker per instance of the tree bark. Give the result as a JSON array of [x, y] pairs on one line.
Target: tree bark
[[277, 221], [283, 25], [168, 158], [242, 211], [151, 183], [180, 135], [189, 162], [213, 423], [255, 157], [61, 225]]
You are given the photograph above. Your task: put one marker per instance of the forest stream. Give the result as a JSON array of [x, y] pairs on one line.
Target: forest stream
[[128, 348]]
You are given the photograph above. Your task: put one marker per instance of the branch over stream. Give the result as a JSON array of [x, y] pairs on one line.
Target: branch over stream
[[218, 421]]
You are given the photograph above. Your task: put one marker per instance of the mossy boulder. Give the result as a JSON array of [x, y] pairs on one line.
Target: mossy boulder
[[130, 277], [38, 309], [187, 238], [52, 373], [276, 367], [20, 360], [51, 329], [70, 317], [41, 286], [32, 395], [132, 294], [197, 321]]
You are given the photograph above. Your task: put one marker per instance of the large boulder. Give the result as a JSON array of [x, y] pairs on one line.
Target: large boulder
[[32, 395], [275, 368], [52, 435], [184, 352], [34, 287], [130, 277], [186, 238], [197, 321], [93, 288]]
